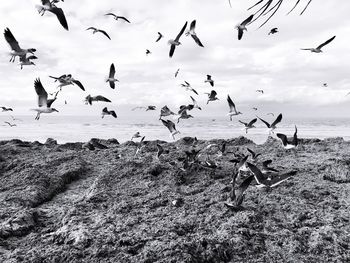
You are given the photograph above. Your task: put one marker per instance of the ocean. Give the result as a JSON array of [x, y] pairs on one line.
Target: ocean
[[83, 128]]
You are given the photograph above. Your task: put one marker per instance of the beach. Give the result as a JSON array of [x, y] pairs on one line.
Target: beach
[[69, 203]]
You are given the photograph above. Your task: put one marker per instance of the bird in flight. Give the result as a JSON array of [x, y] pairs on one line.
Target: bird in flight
[[260, 90], [319, 48], [273, 31], [46, 5], [89, 99], [171, 127], [148, 52], [249, 125], [212, 96], [16, 49], [26, 61], [6, 109], [242, 26], [272, 126], [193, 33], [176, 41], [165, 111], [209, 80], [148, 108], [105, 111], [233, 111], [95, 30], [66, 80], [188, 87], [111, 78], [118, 17], [43, 103], [10, 124], [195, 104], [177, 72], [160, 36], [289, 144]]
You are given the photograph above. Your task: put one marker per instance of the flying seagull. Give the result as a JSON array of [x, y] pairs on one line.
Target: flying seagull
[[242, 163], [319, 48], [66, 80], [242, 26], [16, 49], [176, 41], [188, 87], [171, 127], [184, 115], [254, 108], [237, 193], [193, 34], [273, 31], [89, 99], [325, 85], [46, 5], [159, 36], [209, 80], [249, 125], [111, 78], [195, 104], [165, 111], [262, 181], [105, 111], [177, 72], [95, 30], [148, 108], [212, 96], [43, 103], [260, 90], [136, 135], [10, 124], [6, 109], [272, 126], [26, 61], [289, 144], [233, 111], [148, 52], [118, 17]]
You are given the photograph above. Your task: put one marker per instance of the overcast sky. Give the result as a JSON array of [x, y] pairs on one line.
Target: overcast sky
[[292, 79]]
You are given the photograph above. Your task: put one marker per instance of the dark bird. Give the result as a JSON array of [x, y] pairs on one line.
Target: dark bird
[[171, 127], [118, 17], [260, 90], [233, 111], [111, 77], [6, 109], [272, 126], [242, 26], [10, 124], [325, 85], [184, 115], [148, 108], [105, 111], [43, 103], [254, 108], [177, 72], [95, 30], [319, 48], [273, 31], [289, 144], [159, 36], [209, 80], [193, 33], [16, 49], [165, 111], [89, 99], [262, 181], [46, 5], [26, 61], [176, 41], [148, 52], [249, 125], [66, 80], [212, 96]]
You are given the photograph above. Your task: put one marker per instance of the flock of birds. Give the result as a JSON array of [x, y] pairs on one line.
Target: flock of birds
[[27, 55]]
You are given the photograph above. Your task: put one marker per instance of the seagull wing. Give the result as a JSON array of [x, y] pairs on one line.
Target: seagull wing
[[112, 71], [112, 112], [243, 122], [193, 25], [181, 32], [91, 28], [60, 16], [252, 122], [41, 92], [283, 138], [278, 120], [326, 43], [239, 192], [105, 33], [172, 49], [101, 98], [231, 104], [295, 137], [78, 83], [123, 18], [266, 163], [281, 178], [245, 22], [195, 91], [213, 94], [266, 123], [258, 175], [196, 39], [11, 40], [110, 14], [159, 36], [251, 152]]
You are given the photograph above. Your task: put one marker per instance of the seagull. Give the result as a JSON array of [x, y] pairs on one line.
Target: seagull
[[177, 72], [118, 17], [242, 167], [15, 119], [176, 42], [266, 169], [136, 135], [260, 90], [148, 52], [237, 193], [188, 87], [171, 127], [209, 80], [51, 7], [16, 49], [242, 27], [253, 154], [195, 104], [105, 111], [272, 126], [66, 80], [89, 99], [273, 31], [325, 85], [254, 108], [319, 48], [148, 108], [262, 181], [248, 125], [140, 145], [43, 103], [10, 124], [25, 61], [165, 111], [111, 78], [289, 144], [95, 30], [193, 34], [233, 111], [159, 36], [184, 115], [6, 109], [212, 96]]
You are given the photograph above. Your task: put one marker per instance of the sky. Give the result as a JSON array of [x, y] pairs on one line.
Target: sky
[[292, 79]]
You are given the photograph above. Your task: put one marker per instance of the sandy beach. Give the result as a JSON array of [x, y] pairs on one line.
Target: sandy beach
[[66, 203]]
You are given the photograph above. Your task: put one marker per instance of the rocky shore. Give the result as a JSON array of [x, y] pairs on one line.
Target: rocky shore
[[99, 202]]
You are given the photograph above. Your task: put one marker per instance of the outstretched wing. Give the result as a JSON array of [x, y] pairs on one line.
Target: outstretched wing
[[326, 43], [123, 18], [266, 123], [196, 39], [101, 98], [60, 16], [283, 138], [258, 175], [278, 120], [42, 94], [105, 33], [78, 83], [245, 22], [112, 71], [252, 122], [181, 32], [172, 49], [231, 104], [11, 40], [110, 14]]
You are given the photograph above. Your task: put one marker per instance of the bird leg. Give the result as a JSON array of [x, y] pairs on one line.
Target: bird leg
[[37, 117]]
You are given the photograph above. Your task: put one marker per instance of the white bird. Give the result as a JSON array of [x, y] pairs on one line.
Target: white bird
[[212, 96], [16, 49], [249, 125], [165, 111], [193, 34], [195, 104], [209, 80], [272, 126], [105, 111], [66, 80], [89, 99], [188, 87], [233, 111], [289, 144], [176, 41], [26, 61], [319, 48], [118, 17], [242, 26], [43, 103], [51, 7], [171, 127], [10, 124], [95, 30], [111, 78]]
